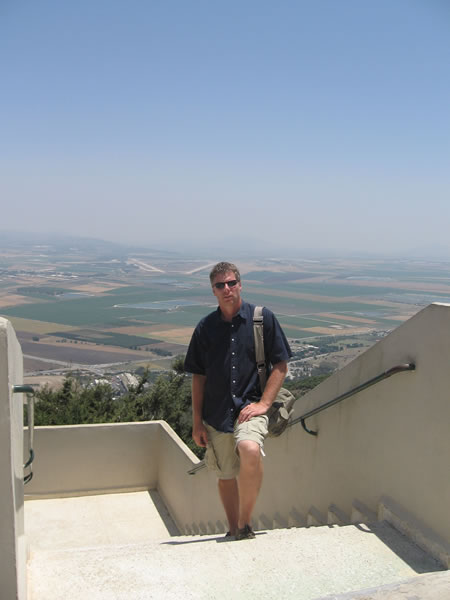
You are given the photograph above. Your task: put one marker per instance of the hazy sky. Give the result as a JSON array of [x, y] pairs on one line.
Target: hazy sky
[[321, 124]]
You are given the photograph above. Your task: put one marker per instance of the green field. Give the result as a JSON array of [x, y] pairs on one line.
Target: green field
[[102, 311], [110, 339], [296, 316], [382, 292]]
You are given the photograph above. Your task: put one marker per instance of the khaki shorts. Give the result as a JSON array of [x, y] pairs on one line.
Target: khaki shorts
[[221, 455]]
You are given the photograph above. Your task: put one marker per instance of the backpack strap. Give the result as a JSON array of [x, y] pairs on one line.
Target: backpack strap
[[258, 332]]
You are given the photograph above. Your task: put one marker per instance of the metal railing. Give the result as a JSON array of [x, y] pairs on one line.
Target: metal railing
[[352, 392], [197, 468], [29, 391], [363, 386]]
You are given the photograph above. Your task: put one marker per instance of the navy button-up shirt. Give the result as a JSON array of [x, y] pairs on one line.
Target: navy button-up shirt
[[224, 352]]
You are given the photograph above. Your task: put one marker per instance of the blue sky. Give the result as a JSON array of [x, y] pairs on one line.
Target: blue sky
[[291, 125]]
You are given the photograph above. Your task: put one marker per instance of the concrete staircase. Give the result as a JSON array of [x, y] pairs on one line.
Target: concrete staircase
[[390, 439], [99, 561], [387, 511]]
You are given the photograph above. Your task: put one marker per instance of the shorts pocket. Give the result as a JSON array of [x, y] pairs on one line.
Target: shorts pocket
[[211, 459]]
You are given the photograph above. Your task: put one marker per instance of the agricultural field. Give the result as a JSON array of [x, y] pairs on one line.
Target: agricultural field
[[109, 305]]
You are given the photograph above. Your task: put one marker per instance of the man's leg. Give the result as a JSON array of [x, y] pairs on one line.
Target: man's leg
[[222, 458], [249, 480], [229, 494]]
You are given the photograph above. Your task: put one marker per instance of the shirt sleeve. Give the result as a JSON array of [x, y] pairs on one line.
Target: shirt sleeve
[[194, 363], [276, 346]]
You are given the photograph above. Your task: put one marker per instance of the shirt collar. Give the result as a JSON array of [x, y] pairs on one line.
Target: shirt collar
[[243, 312]]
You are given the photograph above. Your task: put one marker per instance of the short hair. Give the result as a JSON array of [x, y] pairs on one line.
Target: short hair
[[223, 267]]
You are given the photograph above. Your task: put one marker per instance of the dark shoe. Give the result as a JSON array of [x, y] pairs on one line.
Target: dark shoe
[[246, 533]]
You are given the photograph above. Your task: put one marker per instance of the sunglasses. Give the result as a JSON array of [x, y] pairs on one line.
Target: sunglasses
[[221, 284]]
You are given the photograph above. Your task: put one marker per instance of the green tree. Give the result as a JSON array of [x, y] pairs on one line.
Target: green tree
[[167, 399], [301, 385]]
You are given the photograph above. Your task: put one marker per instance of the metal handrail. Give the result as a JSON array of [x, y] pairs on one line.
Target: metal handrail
[[393, 371], [201, 465], [29, 391], [352, 392]]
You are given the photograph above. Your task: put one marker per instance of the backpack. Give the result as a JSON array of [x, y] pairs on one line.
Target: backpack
[[280, 412]]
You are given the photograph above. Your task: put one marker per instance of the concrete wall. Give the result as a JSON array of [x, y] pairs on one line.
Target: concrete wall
[[192, 501], [13, 551], [75, 460], [79, 460], [391, 439]]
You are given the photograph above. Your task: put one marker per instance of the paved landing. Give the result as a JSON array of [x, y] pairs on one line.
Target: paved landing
[[304, 564], [431, 586], [103, 520]]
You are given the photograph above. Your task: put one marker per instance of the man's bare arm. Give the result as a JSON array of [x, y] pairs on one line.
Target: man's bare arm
[[273, 385], [199, 434]]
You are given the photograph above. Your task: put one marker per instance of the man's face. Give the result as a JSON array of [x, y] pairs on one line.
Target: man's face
[[228, 295]]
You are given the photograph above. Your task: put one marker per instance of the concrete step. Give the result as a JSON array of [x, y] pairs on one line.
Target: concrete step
[[336, 516], [430, 586], [304, 564], [123, 518], [315, 518]]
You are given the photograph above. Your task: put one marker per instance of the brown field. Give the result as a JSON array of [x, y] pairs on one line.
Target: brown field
[[347, 318], [14, 300], [314, 279], [154, 365], [82, 353], [33, 280], [52, 341], [34, 364], [161, 327], [41, 327], [400, 317], [334, 331], [86, 333], [141, 330], [395, 285], [397, 305], [328, 299], [182, 335], [279, 267], [99, 288]]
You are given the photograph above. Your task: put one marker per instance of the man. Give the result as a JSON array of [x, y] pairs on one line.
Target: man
[[229, 410]]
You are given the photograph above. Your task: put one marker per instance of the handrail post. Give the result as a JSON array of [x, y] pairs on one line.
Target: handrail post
[[29, 391], [310, 431]]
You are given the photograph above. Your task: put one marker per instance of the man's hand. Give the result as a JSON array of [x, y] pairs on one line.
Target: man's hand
[[272, 388], [200, 435], [252, 410]]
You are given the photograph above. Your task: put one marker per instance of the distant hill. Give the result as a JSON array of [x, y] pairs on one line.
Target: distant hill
[[54, 242]]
